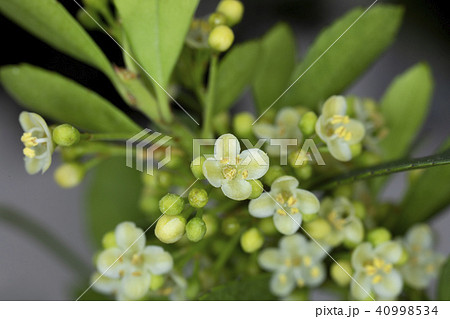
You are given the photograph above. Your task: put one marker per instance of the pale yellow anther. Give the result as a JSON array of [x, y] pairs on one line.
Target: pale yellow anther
[[315, 272], [28, 152], [376, 279], [224, 160], [294, 210], [229, 172], [283, 278], [429, 269], [136, 259], [307, 260], [387, 268], [300, 282], [244, 174], [291, 201], [288, 262], [121, 273], [348, 136], [340, 119], [136, 273], [370, 270], [281, 212], [280, 199], [378, 263], [28, 140]]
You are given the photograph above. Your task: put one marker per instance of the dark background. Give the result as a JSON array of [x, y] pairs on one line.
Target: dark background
[[28, 271]]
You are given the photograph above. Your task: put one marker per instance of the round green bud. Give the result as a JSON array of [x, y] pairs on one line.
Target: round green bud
[[216, 19], [350, 244], [221, 123], [109, 240], [318, 228], [307, 123], [305, 172], [221, 38], [356, 149], [171, 204], [343, 191], [196, 229], [69, 175], [267, 226], [197, 167], [198, 197], [378, 235], [170, 229], [272, 174], [360, 209], [230, 226], [233, 11], [309, 217], [242, 124], [66, 135], [252, 240], [257, 188], [211, 224], [339, 275], [298, 158], [156, 282], [403, 258]]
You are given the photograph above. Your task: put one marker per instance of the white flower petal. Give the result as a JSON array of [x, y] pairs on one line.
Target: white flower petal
[[339, 149], [316, 275], [263, 206], [287, 224], [270, 259], [157, 260], [263, 130], [33, 165], [212, 169], [361, 255], [307, 202], [110, 263], [354, 231], [293, 244], [129, 237], [135, 287], [390, 286], [284, 183], [361, 286], [420, 236], [287, 117], [357, 130], [103, 284], [255, 162], [282, 284], [227, 147], [335, 105], [389, 251], [237, 189]]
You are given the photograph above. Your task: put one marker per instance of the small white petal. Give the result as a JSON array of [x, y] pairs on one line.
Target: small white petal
[[212, 169], [335, 105], [282, 284], [104, 284], [339, 149], [129, 237], [361, 288], [389, 251], [284, 183], [263, 130], [157, 260], [293, 244], [287, 224], [263, 206], [227, 147], [237, 189], [270, 259], [361, 255], [255, 162], [390, 286], [110, 263], [135, 287], [307, 202]]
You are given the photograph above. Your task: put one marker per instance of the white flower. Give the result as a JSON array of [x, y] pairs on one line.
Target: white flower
[[37, 140], [336, 129], [286, 203], [423, 263], [128, 267], [232, 170], [286, 127], [374, 271], [297, 262]]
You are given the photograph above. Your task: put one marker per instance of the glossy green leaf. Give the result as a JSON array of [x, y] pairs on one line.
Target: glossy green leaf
[[348, 58], [112, 197], [426, 196], [252, 288], [444, 282], [404, 107], [156, 31], [63, 100], [277, 59], [235, 73], [50, 21]]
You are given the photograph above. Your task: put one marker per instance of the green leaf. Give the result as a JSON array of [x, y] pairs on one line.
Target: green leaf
[[235, 73], [277, 59], [253, 288], [49, 21], [444, 282], [386, 169], [112, 197], [63, 100], [348, 58], [404, 106], [156, 31], [426, 196]]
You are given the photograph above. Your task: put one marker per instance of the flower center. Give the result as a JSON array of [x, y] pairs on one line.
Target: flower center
[[377, 268], [30, 141], [229, 172], [338, 128], [287, 202], [338, 219]]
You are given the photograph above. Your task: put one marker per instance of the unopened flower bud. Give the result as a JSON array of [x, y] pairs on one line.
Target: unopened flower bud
[[252, 240], [298, 158], [233, 11], [307, 123], [318, 228], [109, 240], [267, 226], [343, 191], [257, 188], [171, 204], [197, 167], [195, 229], [230, 226], [272, 174], [378, 235], [211, 224], [66, 135], [360, 210], [242, 124], [339, 275], [170, 229], [216, 19], [221, 38], [69, 175], [356, 149], [156, 282], [221, 123], [305, 172], [198, 197]]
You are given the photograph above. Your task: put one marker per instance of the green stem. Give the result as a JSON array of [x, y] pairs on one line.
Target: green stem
[[226, 252], [210, 96], [106, 136], [384, 169], [164, 106], [48, 240]]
